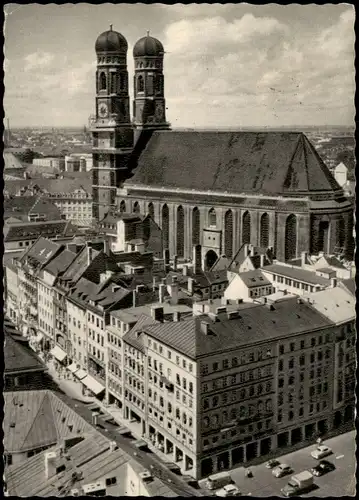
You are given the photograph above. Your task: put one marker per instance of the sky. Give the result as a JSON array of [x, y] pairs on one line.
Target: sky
[[231, 65]]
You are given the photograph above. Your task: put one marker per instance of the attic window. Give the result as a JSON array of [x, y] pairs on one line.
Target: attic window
[[110, 481], [249, 327], [253, 279], [298, 316], [70, 427], [12, 424], [63, 419]]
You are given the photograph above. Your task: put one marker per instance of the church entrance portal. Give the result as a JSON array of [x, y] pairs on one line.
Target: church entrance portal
[[211, 258]]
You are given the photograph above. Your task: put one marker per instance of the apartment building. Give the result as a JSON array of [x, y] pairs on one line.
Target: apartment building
[[223, 388]]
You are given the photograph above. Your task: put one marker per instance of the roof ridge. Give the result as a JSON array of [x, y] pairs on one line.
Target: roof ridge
[[330, 178], [288, 178], [305, 160]]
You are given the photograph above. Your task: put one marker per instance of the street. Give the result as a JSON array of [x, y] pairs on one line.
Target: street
[[340, 482]]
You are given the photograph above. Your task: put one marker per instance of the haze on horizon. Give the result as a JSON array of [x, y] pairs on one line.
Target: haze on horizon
[[226, 66]]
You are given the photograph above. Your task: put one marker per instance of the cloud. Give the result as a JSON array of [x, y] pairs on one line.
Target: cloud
[[37, 60]]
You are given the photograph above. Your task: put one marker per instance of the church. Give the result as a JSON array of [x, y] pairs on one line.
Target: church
[[209, 192]]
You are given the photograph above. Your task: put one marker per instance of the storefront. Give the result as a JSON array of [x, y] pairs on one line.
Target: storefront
[[93, 386], [59, 354]]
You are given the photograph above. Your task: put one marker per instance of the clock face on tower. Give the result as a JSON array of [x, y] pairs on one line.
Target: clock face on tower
[[103, 110]]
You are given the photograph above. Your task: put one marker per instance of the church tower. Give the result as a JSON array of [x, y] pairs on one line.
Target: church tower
[[149, 107], [112, 133]]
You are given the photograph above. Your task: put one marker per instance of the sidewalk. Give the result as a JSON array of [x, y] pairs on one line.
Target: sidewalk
[[70, 387], [135, 430]]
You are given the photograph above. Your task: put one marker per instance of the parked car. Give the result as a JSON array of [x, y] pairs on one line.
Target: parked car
[[321, 452], [322, 468], [272, 463], [230, 490], [282, 470]]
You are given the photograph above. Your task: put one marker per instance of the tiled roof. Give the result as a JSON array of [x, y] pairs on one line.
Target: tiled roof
[[41, 251], [66, 185], [91, 457], [11, 162], [297, 274], [32, 230], [255, 324], [133, 337], [254, 278], [60, 263], [20, 359], [27, 205], [333, 261], [336, 304], [240, 162], [33, 419]]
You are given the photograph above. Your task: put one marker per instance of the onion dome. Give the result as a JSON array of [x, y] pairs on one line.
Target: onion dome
[[148, 46], [111, 41]]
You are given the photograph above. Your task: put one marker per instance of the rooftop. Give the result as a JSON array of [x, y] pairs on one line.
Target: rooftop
[[254, 278], [33, 419], [133, 337], [336, 304], [19, 358], [254, 324], [32, 230], [270, 163], [297, 274]]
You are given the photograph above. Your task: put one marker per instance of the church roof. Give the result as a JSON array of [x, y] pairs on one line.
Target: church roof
[[268, 163]]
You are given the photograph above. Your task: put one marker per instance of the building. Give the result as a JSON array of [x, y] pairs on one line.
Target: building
[[21, 235], [132, 232], [28, 269], [23, 370], [248, 286], [35, 421], [30, 209], [91, 465], [223, 194], [11, 286], [53, 163], [340, 173], [233, 383], [13, 166], [298, 281], [78, 162]]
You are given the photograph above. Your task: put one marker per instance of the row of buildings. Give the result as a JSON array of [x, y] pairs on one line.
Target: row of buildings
[[215, 368]]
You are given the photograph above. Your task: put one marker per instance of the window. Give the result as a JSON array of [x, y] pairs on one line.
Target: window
[[212, 218], [301, 376], [281, 349], [215, 401], [234, 361], [225, 363], [302, 360], [280, 365], [178, 360], [215, 367], [110, 481], [291, 380], [313, 341], [292, 346], [290, 415], [312, 357], [291, 363], [281, 382], [191, 387]]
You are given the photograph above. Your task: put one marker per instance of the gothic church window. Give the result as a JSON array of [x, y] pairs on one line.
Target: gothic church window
[[123, 206], [113, 83], [195, 226], [228, 233], [212, 218], [180, 231], [264, 231], [340, 232], [136, 207], [151, 210], [103, 81], [140, 84], [150, 85], [246, 228], [165, 226], [290, 237]]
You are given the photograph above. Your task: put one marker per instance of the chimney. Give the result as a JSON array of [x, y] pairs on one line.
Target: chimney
[[185, 270], [161, 293], [174, 293], [176, 316], [113, 446], [261, 260], [106, 247], [50, 464], [166, 259], [154, 282], [89, 255], [303, 258], [205, 327], [175, 261], [157, 313], [233, 315], [190, 285], [333, 282], [220, 310]]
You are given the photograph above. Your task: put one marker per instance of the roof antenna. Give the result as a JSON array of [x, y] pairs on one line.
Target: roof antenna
[[110, 27], [148, 32]]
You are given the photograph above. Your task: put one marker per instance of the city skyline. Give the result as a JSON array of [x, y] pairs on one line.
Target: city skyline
[[298, 62]]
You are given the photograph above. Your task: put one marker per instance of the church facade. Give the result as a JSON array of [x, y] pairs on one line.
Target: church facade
[[209, 192]]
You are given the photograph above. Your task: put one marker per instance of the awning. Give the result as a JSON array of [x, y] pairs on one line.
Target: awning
[[140, 443], [72, 368], [80, 374], [58, 353], [93, 385]]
